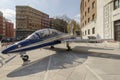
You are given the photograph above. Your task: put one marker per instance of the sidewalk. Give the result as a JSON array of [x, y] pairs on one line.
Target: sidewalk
[[5, 58], [84, 62], [103, 64]]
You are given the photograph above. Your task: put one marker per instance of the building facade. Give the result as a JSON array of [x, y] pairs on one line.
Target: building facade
[[1, 25], [8, 28], [104, 21], [88, 17], [29, 20], [113, 7]]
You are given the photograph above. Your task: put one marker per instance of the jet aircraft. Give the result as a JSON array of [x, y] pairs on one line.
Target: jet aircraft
[[38, 39]]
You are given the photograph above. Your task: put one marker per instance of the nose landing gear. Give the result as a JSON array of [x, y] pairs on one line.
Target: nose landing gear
[[25, 58]]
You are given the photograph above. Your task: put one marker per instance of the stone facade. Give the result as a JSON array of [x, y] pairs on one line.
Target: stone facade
[[106, 17], [108, 24]]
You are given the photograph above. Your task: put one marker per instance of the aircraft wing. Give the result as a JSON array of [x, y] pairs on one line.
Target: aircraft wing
[[81, 40]]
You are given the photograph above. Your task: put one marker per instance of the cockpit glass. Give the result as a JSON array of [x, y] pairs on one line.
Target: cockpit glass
[[43, 33]]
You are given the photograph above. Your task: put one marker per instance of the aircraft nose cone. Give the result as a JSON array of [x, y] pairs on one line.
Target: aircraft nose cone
[[4, 52]]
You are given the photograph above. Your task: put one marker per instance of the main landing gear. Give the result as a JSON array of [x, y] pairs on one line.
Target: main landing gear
[[52, 47], [24, 57], [68, 46]]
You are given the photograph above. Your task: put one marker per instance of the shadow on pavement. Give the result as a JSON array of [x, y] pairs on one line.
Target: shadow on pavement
[[106, 54], [82, 50], [59, 60]]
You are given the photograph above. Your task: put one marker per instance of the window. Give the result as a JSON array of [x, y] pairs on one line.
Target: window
[[85, 13], [93, 30], [82, 18], [85, 4], [119, 3], [85, 22], [88, 31], [116, 4], [93, 5], [85, 32], [93, 17], [88, 20], [88, 10]]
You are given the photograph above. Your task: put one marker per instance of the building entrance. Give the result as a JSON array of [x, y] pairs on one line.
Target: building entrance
[[117, 30]]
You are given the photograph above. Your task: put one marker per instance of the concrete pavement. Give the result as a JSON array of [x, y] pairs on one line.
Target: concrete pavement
[[5, 58], [84, 62]]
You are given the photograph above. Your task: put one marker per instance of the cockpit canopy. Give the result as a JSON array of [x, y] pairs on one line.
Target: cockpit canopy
[[43, 33]]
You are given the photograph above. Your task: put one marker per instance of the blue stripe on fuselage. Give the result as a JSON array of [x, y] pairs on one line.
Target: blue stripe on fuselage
[[38, 46]]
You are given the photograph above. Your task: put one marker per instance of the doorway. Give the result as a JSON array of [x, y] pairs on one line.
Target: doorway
[[117, 30]]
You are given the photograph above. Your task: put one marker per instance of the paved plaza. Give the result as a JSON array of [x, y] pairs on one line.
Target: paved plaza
[[86, 61]]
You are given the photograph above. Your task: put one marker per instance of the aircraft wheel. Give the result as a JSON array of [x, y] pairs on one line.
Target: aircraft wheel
[[25, 58], [52, 47], [69, 48]]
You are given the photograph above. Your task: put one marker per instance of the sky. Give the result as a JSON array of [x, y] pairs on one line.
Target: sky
[[70, 8]]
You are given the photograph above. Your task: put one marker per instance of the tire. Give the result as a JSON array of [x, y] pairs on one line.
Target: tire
[[25, 58]]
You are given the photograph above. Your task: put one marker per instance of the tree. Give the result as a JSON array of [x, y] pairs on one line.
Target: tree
[[73, 27], [64, 17], [58, 24]]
